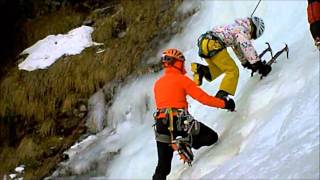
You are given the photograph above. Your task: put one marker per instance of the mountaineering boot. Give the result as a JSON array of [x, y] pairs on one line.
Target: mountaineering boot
[[197, 75], [184, 150], [222, 94], [200, 71]]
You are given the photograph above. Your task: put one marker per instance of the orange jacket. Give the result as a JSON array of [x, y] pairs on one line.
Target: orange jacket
[[313, 11], [173, 87]]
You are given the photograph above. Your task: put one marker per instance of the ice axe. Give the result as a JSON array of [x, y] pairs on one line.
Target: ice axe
[[266, 50], [274, 58]]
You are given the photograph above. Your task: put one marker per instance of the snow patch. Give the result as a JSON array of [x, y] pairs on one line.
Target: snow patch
[[19, 169], [12, 176], [46, 51]]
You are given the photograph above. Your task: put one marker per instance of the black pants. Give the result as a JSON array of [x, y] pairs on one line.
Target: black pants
[[206, 137]]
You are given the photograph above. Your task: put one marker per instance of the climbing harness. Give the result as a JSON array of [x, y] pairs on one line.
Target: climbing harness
[[177, 120], [211, 42]]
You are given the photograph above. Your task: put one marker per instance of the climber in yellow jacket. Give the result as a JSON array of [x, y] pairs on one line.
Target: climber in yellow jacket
[[213, 48]]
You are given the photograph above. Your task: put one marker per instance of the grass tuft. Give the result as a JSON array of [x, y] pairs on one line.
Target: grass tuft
[[28, 149], [47, 128]]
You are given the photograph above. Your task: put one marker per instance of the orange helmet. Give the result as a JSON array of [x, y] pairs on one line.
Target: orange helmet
[[169, 55], [173, 58]]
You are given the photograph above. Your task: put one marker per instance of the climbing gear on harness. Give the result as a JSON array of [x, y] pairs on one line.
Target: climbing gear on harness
[[259, 26], [178, 120], [209, 45], [163, 113], [184, 121]]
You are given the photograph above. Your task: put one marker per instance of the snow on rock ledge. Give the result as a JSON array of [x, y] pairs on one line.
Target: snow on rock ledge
[[46, 51]]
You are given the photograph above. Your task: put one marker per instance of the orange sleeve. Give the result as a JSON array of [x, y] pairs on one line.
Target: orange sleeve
[[198, 94], [313, 10]]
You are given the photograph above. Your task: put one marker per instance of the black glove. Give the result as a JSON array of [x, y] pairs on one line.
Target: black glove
[[247, 65], [229, 104], [252, 67], [262, 67]]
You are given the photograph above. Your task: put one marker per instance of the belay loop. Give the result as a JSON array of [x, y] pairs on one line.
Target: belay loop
[[209, 45]]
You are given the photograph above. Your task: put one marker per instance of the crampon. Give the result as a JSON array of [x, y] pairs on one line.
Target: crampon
[[184, 150]]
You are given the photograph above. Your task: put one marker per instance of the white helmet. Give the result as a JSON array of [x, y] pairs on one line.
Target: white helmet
[[258, 22]]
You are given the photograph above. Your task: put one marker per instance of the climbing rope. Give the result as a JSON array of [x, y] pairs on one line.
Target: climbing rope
[[255, 8]]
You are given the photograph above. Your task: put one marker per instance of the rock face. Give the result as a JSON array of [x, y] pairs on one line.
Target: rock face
[[75, 92]]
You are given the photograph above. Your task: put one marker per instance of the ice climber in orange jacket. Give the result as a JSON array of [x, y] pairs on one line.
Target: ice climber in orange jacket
[[313, 11], [170, 93]]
